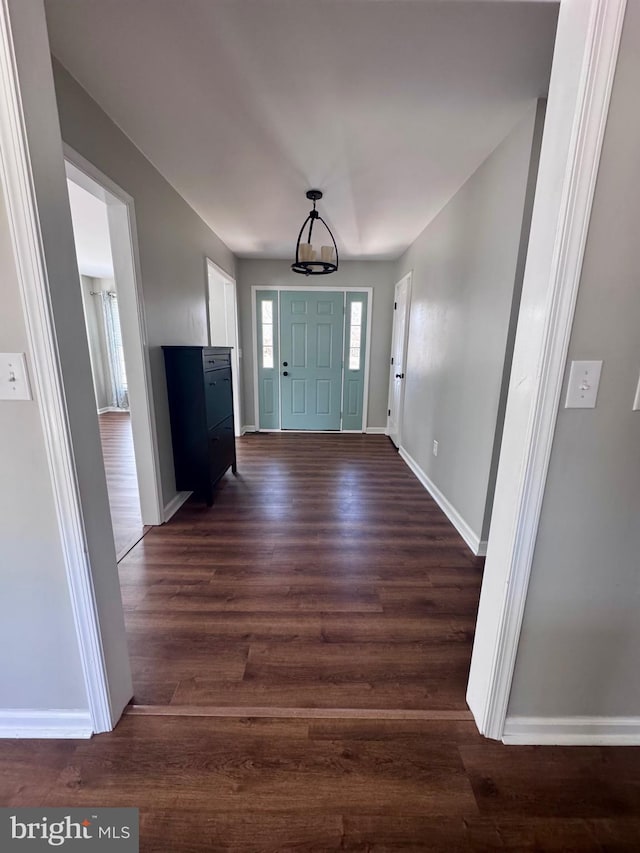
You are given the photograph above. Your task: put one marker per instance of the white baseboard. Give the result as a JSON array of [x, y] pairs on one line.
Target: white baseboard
[[248, 428], [25, 723], [573, 731], [478, 546], [111, 409], [175, 503], [376, 430]]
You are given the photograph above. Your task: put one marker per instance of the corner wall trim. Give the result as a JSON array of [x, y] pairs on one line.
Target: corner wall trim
[[471, 538], [24, 225], [584, 63], [175, 503], [376, 431], [25, 723], [248, 428], [572, 731]]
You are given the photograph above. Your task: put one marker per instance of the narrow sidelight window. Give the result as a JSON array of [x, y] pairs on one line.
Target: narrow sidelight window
[[355, 335], [267, 332]]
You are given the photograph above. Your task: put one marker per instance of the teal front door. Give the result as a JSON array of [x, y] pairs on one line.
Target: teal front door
[[311, 335]]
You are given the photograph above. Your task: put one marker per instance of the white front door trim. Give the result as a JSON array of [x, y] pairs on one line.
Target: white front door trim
[[306, 289]]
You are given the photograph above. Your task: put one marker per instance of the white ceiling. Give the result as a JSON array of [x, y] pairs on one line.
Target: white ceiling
[[90, 233], [386, 105]]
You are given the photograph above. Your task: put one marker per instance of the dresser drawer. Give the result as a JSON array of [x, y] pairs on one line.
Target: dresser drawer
[[217, 395], [215, 360]]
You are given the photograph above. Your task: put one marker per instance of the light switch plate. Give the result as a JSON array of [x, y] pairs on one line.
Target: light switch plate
[[584, 378], [14, 379]]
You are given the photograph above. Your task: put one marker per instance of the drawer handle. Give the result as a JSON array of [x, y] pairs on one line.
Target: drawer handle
[[213, 382]]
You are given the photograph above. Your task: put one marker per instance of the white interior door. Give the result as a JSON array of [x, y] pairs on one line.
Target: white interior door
[[402, 299], [223, 327]]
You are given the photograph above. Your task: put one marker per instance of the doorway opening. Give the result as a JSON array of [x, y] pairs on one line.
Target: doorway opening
[[311, 358], [106, 255], [399, 337], [553, 205], [223, 326]]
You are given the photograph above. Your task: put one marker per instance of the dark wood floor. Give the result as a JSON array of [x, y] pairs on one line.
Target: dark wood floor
[[275, 785], [122, 484], [323, 577]]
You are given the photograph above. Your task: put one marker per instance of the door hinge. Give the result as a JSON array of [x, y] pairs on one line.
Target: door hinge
[[392, 360], [388, 413], [395, 306]]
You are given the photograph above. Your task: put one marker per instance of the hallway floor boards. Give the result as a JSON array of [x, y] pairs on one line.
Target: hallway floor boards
[[211, 785], [122, 484], [324, 576]]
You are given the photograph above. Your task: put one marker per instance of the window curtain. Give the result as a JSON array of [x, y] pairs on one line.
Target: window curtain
[[115, 352]]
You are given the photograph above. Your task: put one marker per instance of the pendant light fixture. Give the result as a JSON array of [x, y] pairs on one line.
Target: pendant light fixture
[[307, 262]]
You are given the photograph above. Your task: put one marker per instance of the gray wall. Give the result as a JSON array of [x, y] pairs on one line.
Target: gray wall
[[39, 657], [376, 274], [30, 576], [172, 238], [580, 641], [100, 370], [467, 267]]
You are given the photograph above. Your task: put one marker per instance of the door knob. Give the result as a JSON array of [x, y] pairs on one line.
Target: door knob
[[285, 364], [285, 373]]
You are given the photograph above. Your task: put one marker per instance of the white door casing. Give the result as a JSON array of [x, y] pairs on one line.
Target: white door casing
[[276, 288], [586, 50], [31, 159], [128, 279]]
